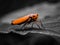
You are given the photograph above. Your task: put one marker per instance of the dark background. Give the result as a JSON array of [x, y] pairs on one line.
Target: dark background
[[28, 39], [7, 6]]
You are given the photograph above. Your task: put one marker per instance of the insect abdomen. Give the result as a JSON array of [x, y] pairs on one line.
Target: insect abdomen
[[20, 20]]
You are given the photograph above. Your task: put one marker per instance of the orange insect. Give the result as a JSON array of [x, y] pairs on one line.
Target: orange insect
[[25, 19]]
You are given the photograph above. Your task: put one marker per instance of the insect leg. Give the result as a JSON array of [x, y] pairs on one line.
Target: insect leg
[[42, 24], [23, 25], [32, 25], [38, 26]]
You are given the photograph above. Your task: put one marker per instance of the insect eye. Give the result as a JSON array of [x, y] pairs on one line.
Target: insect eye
[[37, 15], [33, 16]]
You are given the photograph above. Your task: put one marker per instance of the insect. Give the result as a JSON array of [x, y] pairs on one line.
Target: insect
[[26, 20]]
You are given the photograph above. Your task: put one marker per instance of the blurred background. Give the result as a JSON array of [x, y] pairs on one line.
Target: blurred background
[[12, 9], [49, 13], [48, 10]]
